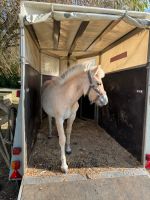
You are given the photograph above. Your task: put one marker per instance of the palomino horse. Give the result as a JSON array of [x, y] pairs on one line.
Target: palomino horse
[[60, 99]]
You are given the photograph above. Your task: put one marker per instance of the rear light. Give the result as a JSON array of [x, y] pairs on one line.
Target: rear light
[[148, 157], [18, 93], [15, 175], [147, 166], [15, 164], [16, 150]]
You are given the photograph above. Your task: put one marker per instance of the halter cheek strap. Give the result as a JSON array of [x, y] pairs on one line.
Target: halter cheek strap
[[92, 86]]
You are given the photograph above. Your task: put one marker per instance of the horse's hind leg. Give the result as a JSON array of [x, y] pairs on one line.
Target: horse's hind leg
[[62, 141], [50, 127], [69, 126]]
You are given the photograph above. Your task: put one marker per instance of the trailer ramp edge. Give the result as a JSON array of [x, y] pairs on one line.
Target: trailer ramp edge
[[116, 184]]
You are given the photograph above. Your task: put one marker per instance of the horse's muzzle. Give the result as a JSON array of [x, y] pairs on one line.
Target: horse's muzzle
[[103, 100]]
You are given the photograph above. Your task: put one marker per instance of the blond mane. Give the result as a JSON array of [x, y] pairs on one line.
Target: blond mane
[[75, 70]]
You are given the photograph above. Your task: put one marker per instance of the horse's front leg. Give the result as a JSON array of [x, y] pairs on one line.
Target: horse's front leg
[[69, 126], [62, 141], [68, 132]]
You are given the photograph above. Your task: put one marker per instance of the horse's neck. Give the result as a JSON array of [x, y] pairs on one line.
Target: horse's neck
[[78, 86]]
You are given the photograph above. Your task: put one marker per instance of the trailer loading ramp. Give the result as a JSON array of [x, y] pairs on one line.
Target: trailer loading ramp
[[124, 184]]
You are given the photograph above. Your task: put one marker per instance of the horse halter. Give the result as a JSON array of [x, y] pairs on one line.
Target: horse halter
[[93, 86]]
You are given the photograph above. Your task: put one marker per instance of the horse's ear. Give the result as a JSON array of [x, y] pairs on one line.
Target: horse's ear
[[99, 71], [102, 73], [89, 66], [95, 69]]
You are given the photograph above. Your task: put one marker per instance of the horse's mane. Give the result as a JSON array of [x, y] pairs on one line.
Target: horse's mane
[[75, 70]]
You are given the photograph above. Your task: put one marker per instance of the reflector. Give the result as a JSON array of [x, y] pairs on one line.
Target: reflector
[[18, 93], [15, 164], [16, 150], [148, 157], [147, 166], [15, 175]]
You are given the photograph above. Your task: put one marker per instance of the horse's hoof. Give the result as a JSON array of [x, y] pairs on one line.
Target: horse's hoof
[[68, 149], [68, 152], [64, 169]]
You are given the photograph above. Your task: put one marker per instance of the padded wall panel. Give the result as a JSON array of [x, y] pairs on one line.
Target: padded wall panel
[[123, 117], [32, 106]]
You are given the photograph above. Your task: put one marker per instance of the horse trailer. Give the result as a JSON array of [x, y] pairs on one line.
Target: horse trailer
[[111, 145]]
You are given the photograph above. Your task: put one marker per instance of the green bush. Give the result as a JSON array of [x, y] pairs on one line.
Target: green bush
[[11, 79]]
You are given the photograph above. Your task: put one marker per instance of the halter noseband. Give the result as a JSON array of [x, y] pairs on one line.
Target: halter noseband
[[92, 86]]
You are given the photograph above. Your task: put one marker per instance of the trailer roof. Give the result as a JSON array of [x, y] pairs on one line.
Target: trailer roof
[[64, 30]]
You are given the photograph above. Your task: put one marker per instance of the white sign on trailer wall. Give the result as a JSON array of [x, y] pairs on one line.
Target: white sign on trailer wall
[[49, 65]]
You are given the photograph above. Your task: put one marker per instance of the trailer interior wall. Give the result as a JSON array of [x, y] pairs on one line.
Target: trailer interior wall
[[130, 53], [32, 79], [126, 86]]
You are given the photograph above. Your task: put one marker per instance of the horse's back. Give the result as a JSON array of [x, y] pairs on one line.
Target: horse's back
[[46, 83]]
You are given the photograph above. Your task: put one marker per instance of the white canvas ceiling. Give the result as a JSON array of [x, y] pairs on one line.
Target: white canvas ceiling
[[62, 30]]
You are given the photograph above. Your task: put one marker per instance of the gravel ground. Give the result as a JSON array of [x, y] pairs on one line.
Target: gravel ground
[[93, 150], [8, 189]]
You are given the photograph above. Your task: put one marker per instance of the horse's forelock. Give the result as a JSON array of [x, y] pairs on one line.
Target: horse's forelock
[[89, 66], [98, 71]]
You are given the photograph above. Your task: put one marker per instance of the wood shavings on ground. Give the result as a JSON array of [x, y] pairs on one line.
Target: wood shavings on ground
[[93, 151]]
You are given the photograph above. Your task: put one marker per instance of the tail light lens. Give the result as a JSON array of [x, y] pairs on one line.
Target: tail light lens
[[147, 166], [148, 157], [15, 164], [15, 175], [16, 150], [18, 93]]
